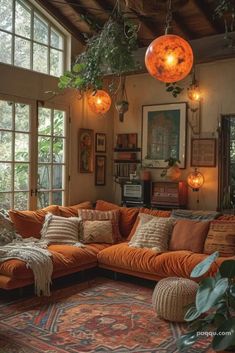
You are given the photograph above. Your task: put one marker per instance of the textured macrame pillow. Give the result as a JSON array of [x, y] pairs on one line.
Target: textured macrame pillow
[[63, 230], [97, 232], [153, 234]]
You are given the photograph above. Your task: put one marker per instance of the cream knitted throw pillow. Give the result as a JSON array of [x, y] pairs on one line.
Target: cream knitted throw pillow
[[154, 234]]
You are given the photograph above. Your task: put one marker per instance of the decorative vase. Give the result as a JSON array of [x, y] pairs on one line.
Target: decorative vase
[[173, 173]]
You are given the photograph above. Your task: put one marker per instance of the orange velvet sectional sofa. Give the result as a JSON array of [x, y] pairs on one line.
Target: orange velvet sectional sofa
[[67, 259]]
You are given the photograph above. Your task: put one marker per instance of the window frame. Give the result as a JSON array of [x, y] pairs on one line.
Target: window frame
[[33, 147], [36, 10]]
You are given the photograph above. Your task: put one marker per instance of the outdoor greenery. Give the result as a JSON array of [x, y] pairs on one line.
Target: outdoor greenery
[[214, 306], [110, 52]]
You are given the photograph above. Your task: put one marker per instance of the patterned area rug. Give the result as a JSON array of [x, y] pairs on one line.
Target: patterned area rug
[[101, 316]]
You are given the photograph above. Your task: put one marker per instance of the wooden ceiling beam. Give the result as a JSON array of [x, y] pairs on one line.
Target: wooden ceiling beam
[[215, 24], [93, 23], [54, 12], [184, 28]]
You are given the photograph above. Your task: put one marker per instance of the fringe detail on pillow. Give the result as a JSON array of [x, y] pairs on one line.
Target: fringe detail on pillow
[[46, 223]]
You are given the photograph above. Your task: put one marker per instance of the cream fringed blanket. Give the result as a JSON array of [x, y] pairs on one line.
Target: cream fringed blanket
[[36, 257]]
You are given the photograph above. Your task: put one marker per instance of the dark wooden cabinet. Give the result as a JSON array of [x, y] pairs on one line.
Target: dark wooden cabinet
[[169, 194]]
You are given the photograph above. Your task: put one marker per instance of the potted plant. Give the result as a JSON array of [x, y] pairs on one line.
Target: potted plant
[[172, 170], [213, 311]]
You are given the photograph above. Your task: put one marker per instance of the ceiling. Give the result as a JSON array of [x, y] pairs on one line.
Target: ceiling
[[192, 19]]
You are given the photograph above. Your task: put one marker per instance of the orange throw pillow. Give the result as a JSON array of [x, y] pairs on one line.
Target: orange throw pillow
[[221, 237], [29, 223], [156, 213], [127, 215], [189, 235], [72, 211]]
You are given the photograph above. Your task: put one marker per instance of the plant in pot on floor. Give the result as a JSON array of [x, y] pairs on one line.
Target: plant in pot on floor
[[213, 312]]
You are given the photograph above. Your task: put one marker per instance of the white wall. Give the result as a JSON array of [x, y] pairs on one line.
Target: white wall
[[31, 85], [217, 83]]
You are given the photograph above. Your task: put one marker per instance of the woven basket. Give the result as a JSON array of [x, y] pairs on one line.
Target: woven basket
[[172, 296]]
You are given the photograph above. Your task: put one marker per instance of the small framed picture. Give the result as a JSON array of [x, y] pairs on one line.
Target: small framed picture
[[100, 170], [100, 143], [203, 152], [85, 146]]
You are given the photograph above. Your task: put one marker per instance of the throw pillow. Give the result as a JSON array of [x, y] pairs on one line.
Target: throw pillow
[[29, 223], [195, 215], [97, 232], [7, 229], [152, 213], [58, 229], [94, 215], [72, 211], [189, 235], [221, 237], [127, 217], [153, 234]]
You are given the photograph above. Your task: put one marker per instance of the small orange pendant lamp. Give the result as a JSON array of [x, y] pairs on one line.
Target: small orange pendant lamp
[[169, 58], [99, 102]]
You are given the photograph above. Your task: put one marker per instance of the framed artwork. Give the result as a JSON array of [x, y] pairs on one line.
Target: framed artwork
[[100, 143], [203, 152], [86, 150], [126, 141], [163, 134], [100, 170]]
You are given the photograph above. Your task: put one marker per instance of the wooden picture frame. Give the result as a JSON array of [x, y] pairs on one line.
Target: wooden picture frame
[[100, 170], [203, 152], [86, 150], [100, 142], [164, 134]]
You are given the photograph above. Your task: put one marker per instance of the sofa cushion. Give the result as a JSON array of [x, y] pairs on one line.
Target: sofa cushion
[[62, 230], [221, 237], [95, 215], [168, 264], [153, 233], [72, 211], [127, 215], [29, 223], [195, 215], [147, 211], [65, 258], [189, 235], [98, 232]]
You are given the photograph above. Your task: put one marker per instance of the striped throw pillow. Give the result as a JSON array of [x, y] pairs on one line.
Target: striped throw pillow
[[221, 237], [154, 234], [63, 230], [94, 215]]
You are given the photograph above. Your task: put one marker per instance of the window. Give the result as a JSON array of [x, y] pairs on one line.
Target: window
[[227, 162], [28, 40], [32, 159]]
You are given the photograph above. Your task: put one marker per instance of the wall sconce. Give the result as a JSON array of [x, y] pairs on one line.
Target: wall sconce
[[195, 180], [169, 58], [99, 102], [194, 93]]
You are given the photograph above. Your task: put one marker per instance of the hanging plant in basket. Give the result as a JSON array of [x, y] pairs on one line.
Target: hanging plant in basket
[[110, 52]]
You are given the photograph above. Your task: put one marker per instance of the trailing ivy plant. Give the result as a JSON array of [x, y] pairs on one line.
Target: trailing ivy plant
[[111, 51], [174, 89], [223, 7]]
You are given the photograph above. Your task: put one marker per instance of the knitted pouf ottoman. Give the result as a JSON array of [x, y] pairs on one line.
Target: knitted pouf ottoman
[[172, 296]]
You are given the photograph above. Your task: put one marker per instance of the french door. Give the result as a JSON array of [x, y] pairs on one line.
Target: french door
[[33, 154]]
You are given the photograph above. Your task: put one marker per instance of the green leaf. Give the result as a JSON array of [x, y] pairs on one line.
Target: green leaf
[[227, 269], [209, 292], [204, 266], [169, 89], [187, 340], [192, 314], [220, 341]]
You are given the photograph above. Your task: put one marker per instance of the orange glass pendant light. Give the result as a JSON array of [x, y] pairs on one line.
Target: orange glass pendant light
[[195, 180], [99, 102], [169, 58]]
